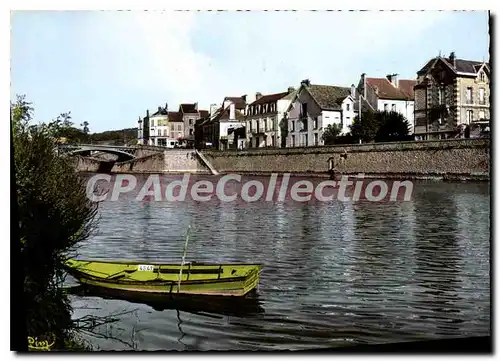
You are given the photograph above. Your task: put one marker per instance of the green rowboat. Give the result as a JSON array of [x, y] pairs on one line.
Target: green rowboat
[[163, 278]]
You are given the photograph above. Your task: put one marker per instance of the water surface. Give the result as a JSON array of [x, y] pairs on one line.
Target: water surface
[[336, 273]]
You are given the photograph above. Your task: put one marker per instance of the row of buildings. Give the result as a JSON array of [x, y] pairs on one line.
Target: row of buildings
[[446, 94]]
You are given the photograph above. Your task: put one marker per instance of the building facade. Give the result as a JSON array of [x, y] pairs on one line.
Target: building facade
[[221, 130], [190, 115], [263, 119], [389, 94], [451, 94], [313, 108]]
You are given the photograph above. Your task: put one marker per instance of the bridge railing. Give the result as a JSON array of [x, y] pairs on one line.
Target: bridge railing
[[105, 146]]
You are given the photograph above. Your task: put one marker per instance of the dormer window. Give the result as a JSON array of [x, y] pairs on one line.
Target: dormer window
[[482, 76]]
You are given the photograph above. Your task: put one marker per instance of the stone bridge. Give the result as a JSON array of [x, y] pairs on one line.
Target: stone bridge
[[123, 153]]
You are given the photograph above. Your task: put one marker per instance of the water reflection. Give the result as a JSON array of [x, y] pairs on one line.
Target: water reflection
[[436, 256]]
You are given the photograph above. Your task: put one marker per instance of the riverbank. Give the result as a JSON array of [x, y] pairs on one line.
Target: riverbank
[[454, 160]]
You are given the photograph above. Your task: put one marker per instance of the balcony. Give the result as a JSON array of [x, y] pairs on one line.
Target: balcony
[[258, 131]]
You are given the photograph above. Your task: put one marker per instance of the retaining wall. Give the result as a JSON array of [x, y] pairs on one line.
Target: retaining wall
[[454, 159]]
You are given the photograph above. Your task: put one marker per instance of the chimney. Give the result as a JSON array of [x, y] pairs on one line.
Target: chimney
[[291, 89], [232, 113], [393, 78], [213, 109], [363, 80], [196, 106], [147, 113], [353, 91], [305, 82], [166, 107], [258, 95], [244, 97], [453, 60], [159, 109]]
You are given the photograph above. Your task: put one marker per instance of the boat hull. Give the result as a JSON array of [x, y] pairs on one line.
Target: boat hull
[[162, 278]]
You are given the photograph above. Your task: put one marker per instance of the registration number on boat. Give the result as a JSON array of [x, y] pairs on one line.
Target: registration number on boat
[[145, 267]]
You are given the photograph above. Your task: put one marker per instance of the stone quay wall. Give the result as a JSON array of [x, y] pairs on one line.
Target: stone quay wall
[[168, 161], [467, 159]]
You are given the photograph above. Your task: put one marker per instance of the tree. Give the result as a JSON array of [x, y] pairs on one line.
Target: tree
[[85, 126], [393, 126], [54, 215], [331, 133], [284, 130], [380, 126], [366, 128]]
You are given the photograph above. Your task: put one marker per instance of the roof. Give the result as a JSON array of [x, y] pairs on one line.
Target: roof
[[188, 108], [461, 65], [386, 90], [239, 102], [224, 115], [161, 111], [204, 113], [175, 116], [269, 98], [328, 97]]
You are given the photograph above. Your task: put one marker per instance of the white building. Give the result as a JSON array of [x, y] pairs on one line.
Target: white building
[[313, 108], [225, 127], [264, 119], [162, 128], [390, 94]]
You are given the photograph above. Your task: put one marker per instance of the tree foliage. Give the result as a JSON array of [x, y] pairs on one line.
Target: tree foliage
[[365, 128], [331, 133], [54, 215], [380, 127], [283, 124]]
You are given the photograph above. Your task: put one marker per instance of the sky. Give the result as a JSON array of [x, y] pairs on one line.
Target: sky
[[108, 67]]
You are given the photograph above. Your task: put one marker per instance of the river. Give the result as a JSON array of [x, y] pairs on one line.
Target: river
[[335, 273]]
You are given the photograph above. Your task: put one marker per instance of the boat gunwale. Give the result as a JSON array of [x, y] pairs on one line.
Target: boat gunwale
[[159, 282], [150, 262]]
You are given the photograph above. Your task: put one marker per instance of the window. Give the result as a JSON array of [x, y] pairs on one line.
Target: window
[[441, 96], [481, 114], [179, 127], [386, 107], [304, 110], [469, 116], [190, 121], [152, 122], [482, 77], [293, 140], [393, 107], [273, 141], [468, 95], [172, 127], [315, 126], [305, 140], [316, 138], [347, 107], [481, 96], [293, 125], [190, 131]]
